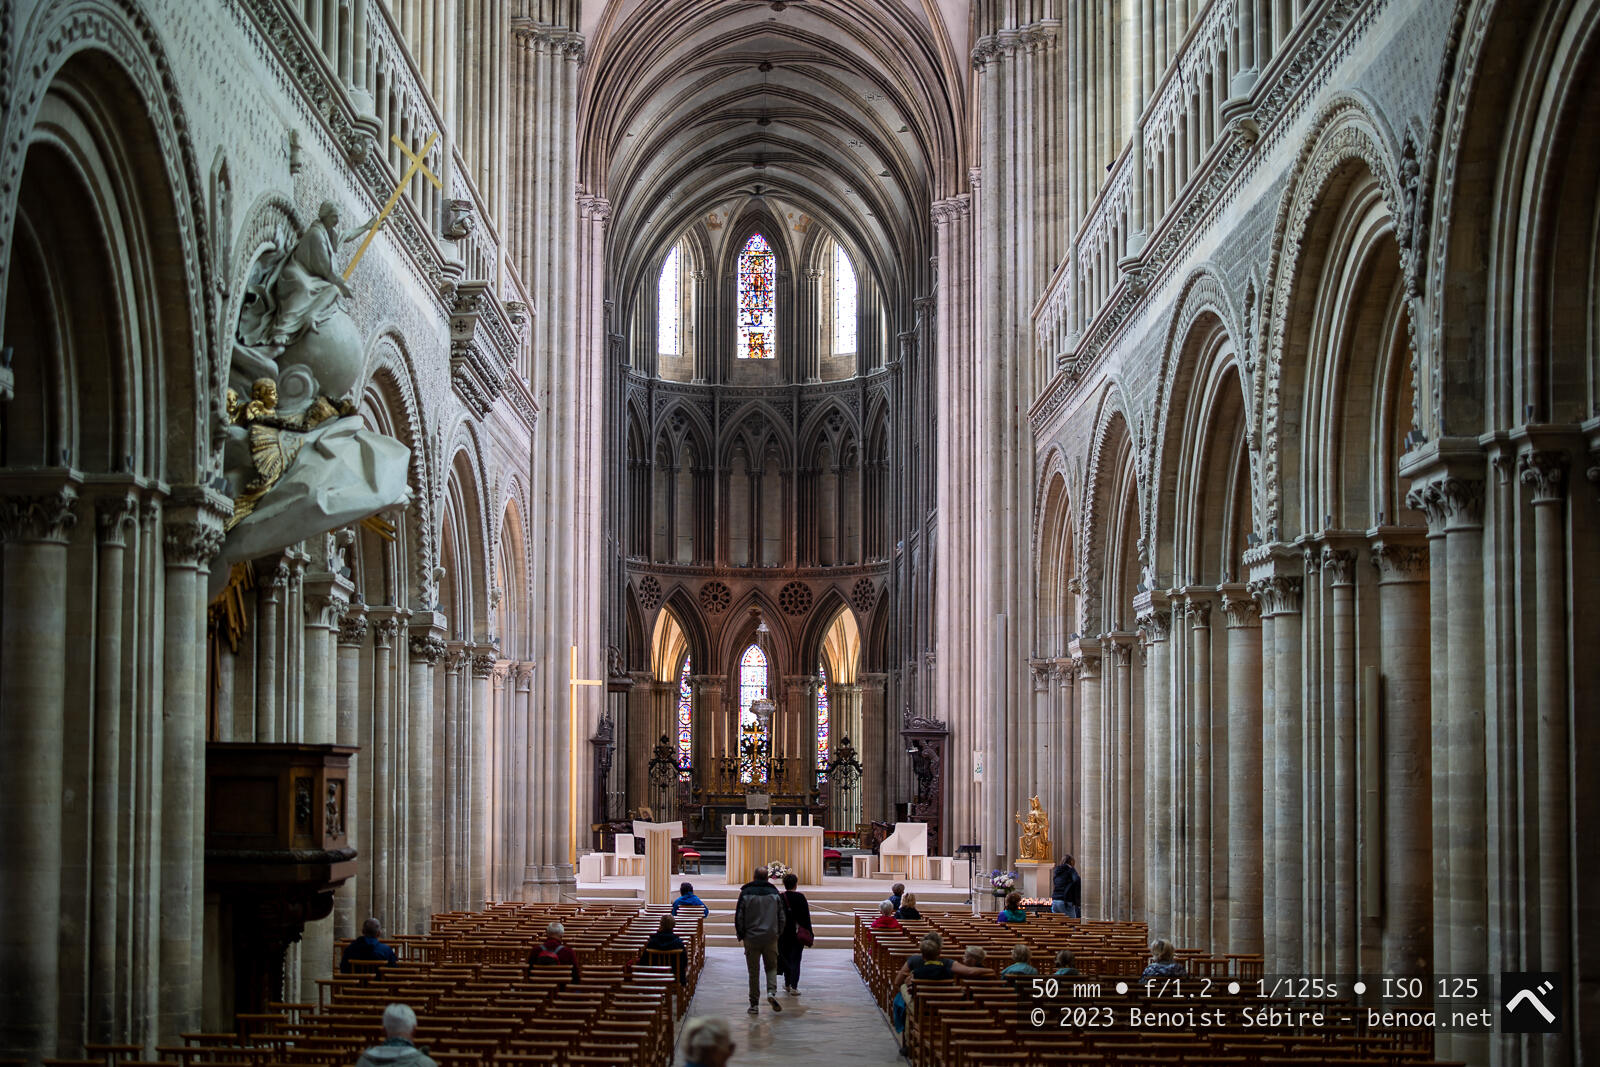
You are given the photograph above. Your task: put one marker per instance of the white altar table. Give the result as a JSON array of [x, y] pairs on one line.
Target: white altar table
[[799, 847]]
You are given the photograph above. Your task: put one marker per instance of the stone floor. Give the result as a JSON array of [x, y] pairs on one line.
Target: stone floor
[[833, 1020]]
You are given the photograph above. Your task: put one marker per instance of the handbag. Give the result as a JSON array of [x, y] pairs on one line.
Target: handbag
[[804, 935]]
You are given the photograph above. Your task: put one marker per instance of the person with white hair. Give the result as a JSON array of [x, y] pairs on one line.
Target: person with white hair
[[400, 1024], [707, 1042], [554, 951]]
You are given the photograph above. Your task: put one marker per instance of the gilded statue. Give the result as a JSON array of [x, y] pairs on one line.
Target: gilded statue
[[1035, 844], [274, 439]]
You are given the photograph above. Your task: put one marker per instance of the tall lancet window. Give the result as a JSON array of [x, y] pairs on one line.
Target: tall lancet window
[[752, 687], [822, 722], [844, 303], [669, 333], [758, 317], [685, 722]]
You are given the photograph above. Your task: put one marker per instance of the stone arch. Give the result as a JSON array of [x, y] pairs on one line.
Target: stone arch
[[465, 547], [1055, 559], [107, 54], [1346, 139], [1111, 432]]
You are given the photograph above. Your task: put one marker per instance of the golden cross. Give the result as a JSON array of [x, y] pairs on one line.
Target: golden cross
[[573, 681], [394, 197]]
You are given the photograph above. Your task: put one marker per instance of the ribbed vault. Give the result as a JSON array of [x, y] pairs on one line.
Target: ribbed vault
[[842, 109]]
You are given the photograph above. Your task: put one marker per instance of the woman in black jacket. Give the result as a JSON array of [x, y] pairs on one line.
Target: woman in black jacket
[[790, 944]]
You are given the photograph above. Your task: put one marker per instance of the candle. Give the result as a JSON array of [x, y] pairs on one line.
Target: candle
[[786, 818]]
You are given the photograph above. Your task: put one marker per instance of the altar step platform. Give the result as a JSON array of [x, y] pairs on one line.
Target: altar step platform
[[834, 905]]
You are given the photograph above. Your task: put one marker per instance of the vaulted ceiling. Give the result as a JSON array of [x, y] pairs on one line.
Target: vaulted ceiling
[[849, 110]]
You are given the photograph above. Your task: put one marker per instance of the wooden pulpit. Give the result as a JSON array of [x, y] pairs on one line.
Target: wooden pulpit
[[657, 858]]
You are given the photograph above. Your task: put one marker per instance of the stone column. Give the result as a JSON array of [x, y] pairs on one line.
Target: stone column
[[1284, 780], [1121, 782], [1339, 566], [1059, 768], [522, 772], [1245, 771], [483, 661], [1154, 618], [193, 538], [115, 515], [36, 522], [1402, 564], [326, 597], [1085, 653], [1207, 884], [272, 581], [425, 634], [450, 860], [874, 743], [1544, 470], [352, 636], [386, 627]]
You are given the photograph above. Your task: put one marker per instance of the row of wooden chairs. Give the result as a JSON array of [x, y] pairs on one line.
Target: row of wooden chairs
[[477, 1000], [990, 1021]]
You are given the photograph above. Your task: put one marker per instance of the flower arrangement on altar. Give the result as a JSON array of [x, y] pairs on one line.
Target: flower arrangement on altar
[[776, 870], [1002, 881]]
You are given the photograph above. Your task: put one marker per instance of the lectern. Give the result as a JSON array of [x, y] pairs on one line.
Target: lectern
[[658, 858]]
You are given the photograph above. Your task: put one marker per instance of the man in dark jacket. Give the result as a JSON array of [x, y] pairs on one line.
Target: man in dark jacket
[[369, 946], [758, 919], [1066, 889]]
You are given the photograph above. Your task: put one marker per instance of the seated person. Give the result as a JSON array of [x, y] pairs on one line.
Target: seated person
[[1163, 964], [1013, 912], [976, 958], [1021, 961], [553, 951], [664, 940], [929, 964], [1065, 962], [896, 891], [368, 946], [908, 909], [399, 1027], [707, 1042], [885, 919], [687, 899]]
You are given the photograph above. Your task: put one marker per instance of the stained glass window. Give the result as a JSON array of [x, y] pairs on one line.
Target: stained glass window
[[685, 719], [758, 319], [752, 686], [844, 303], [668, 342], [822, 721]]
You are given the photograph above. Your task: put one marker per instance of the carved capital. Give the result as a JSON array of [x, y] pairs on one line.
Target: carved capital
[[48, 516], [386, 630], [1199, 609], [1545, 470], [1040, 669], [1427, 499], [427, 647], [455, 658], [1340, 563], [1153, 615], [1278, 595], [114, 517], [192, 542], [1462, 501], [1399, 561], [353, 628], [483, 663]]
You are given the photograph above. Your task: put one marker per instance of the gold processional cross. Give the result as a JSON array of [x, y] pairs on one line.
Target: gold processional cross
[[394, 197], [573, 681]]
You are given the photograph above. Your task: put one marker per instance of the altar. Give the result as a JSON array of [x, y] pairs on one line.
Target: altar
[[798, 847]]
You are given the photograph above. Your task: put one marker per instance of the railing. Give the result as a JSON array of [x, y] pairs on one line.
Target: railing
[[1179, 131]]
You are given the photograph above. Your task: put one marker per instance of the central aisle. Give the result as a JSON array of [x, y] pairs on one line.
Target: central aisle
[[833, 1020]]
